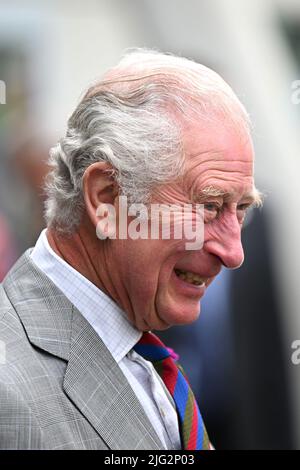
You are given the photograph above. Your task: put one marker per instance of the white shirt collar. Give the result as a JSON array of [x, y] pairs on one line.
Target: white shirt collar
[[104, 315]]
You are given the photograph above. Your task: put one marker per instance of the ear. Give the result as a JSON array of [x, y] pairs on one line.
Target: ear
[[99, 187]]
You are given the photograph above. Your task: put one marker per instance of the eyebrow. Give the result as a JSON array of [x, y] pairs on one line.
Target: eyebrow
[[254, 197]]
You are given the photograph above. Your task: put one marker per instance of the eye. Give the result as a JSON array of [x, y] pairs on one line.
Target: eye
[[243, 207], [210, 207], [242, 210], [211, 211]]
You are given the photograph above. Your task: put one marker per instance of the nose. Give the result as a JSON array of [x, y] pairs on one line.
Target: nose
[[226, 244]]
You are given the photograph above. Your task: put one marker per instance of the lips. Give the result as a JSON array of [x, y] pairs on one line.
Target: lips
[[191, 277]]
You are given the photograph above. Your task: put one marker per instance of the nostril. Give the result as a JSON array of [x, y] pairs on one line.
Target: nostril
[[226, 244], [234, 260], [230, 256], [233, 266]]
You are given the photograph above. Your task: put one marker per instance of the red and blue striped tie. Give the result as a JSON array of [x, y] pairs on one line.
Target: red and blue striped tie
[[192, 429]]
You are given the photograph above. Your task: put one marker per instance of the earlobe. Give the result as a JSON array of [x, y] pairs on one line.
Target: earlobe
[[106, 221], [99, 187]]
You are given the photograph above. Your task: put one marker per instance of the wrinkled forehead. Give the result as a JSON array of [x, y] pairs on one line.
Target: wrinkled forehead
[[217, 139], [218, 156]]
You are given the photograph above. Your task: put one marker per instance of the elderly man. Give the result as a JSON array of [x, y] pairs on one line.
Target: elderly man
[[80, 366]]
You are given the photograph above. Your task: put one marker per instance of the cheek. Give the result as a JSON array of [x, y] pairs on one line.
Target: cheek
[[152, 281], [142, 261], [211, 231]]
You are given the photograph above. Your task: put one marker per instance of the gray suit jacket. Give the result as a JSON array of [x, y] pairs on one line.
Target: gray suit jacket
[[60, 388]]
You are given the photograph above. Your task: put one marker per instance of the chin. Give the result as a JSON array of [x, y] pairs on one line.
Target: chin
[[180, 314]]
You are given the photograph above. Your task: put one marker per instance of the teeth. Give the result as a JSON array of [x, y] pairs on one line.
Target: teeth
[[190, 277]]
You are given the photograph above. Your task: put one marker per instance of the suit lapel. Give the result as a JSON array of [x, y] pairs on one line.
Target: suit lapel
[[96, 384], [93, 380]]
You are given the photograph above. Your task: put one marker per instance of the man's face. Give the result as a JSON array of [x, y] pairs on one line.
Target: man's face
[[156, 276]]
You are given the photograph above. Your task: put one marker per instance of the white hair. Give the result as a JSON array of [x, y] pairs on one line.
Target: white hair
[[132, 119]]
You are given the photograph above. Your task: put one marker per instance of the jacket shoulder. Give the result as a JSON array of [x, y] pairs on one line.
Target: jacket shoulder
[[11, 328], [5, 304], [18, 427]]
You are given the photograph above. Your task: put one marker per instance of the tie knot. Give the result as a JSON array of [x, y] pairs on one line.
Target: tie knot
[[152, 348]]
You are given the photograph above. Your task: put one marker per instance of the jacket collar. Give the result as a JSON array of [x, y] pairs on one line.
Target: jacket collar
[[93, 380]]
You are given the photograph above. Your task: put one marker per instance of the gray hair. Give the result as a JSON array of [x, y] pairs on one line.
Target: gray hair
[[132, 119]]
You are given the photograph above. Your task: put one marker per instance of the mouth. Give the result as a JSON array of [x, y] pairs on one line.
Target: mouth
[[191, 278]]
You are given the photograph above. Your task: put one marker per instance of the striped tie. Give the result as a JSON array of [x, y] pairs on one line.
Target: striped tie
[[192, 429]]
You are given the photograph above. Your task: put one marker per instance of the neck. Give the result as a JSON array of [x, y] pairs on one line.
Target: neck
[[86, 254], [94, 259]]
